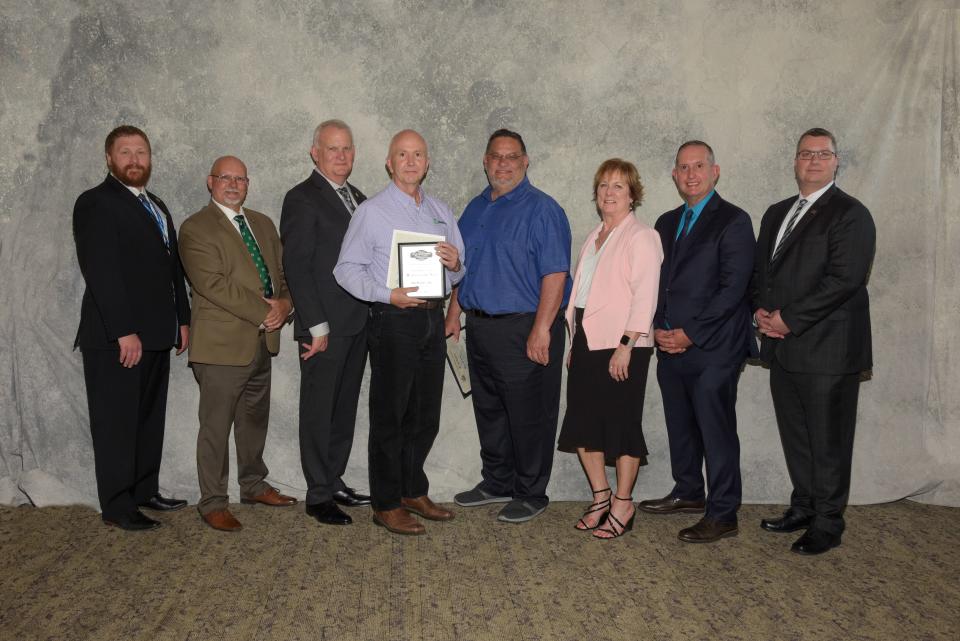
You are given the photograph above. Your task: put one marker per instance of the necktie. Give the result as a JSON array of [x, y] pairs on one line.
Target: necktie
[[255, 254], [157, 219], [786, 232], [347, 200], [684, 219]]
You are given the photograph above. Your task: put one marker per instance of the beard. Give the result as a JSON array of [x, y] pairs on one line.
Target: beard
[[133, 175]]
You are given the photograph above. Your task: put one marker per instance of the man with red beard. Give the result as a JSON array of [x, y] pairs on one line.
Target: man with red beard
[[134, 311]]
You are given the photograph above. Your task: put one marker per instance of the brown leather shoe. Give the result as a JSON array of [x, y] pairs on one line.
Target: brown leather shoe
[[398, 521], [671, 505], [272, 498], [222, 520], [707, 531], [426, 508]]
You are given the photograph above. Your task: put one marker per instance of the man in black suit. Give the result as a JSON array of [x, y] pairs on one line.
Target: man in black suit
[[330, 324], [703, 334], [809, 291], [134, 310]]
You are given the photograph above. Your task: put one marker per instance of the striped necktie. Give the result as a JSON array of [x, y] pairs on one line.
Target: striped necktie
[[254, 250], [786, 232], [157, 219]]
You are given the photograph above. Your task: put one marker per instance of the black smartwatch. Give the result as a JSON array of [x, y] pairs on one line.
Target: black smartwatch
[[625, 340]]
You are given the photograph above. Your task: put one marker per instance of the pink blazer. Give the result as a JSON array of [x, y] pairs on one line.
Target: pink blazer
[[623, 295]]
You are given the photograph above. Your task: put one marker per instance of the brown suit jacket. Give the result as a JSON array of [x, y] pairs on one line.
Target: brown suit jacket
[[228, 305]]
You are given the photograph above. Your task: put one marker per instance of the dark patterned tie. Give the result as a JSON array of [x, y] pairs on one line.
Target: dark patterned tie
[[255, 254], [786, 232], [157, 219], [347, 200], [684, 220]]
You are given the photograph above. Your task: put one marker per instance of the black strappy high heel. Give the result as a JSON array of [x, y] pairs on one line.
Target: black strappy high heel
[[599, 506], [617, 529]]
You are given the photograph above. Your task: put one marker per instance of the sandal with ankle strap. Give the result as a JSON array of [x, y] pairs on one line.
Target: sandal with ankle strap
[[599, 506], [616, 529]]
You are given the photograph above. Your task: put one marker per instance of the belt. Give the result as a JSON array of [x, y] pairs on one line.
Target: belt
[[479, 313], [427, 304]]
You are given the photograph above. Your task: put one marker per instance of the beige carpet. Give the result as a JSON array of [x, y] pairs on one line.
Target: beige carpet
[[64, 576]]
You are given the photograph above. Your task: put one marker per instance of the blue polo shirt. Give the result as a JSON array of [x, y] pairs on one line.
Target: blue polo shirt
[[511, 244]]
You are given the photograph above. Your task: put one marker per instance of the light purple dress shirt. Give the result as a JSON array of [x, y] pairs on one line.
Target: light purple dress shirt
[[365, 252]]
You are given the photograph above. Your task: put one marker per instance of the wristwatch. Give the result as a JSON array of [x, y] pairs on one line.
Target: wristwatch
[[625, 340]]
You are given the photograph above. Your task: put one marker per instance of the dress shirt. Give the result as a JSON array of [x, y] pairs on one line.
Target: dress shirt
[[513, 242], [136, 191], [697, 209], [365, 254], [812, 198]]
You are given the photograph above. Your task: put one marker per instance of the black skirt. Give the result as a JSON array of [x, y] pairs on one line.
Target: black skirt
[[604, 415]]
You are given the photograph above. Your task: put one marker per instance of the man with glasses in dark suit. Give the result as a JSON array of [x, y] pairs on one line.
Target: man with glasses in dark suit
[[809, 292]]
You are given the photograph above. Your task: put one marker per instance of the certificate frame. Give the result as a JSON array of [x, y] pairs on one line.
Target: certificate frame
[[419, 266]]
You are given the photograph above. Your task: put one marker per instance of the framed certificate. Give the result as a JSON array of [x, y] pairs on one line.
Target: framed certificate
[[457, 359], [419, 266]]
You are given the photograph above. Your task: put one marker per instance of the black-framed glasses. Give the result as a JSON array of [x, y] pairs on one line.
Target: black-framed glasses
[[823, 154], [224, 178]]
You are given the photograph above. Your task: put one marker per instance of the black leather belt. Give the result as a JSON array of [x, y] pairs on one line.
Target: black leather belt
[[479, 313]]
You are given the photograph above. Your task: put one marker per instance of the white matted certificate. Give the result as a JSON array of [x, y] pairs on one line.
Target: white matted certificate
[[418, 265], [457, 358], [400, 236]]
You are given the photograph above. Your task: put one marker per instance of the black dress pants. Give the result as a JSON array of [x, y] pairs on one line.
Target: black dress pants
[[516, 403], [329, 393], [407, 353], [127, 413], [817, 417]]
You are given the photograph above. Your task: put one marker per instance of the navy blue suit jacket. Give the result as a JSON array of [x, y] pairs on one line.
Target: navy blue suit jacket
[[704, 283]]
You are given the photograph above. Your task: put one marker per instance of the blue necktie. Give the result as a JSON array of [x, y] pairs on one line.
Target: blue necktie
[[684, 220], [155, 215]]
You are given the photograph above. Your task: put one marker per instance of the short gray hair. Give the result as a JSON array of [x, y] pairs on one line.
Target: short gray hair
[[336, 123]]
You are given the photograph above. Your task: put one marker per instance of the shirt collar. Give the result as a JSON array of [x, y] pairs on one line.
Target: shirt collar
[[699, 207], [229, 213], [519, 190], [812, 198], [402, 197], [333, 183], [136, 191]]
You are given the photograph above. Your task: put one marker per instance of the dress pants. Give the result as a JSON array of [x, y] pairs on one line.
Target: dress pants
[[699, 407], [817, 416], [127, 412], [329, 392], [516, 403], [237, 396], [407, 353]]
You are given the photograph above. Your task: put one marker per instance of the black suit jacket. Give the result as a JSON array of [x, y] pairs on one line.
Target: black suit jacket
[[704, 283], [819, 282], [134, 285], [313, 222]]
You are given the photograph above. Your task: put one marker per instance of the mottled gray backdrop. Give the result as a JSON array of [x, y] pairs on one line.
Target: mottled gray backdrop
[[583, 81]]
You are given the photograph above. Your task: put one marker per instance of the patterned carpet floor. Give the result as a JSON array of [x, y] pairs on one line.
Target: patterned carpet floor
[[64, 576]]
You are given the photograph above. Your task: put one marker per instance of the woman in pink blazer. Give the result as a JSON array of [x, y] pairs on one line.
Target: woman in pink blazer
[[611, 321]]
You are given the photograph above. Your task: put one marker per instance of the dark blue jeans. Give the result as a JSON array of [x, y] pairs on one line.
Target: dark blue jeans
[[407, 353]]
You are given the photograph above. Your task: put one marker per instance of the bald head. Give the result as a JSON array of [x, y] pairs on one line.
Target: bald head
[[228, 182], [407, 160]]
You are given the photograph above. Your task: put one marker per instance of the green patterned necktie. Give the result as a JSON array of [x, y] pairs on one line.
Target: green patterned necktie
[[255, 254]]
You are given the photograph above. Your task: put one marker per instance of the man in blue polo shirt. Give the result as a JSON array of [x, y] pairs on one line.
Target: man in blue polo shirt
[[518, 240]]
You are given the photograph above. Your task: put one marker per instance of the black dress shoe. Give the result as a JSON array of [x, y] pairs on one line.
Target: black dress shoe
[[133, 522], [671, 505], [328, 512], [348, 497], [815, 542], [789, 522], [161, 504]]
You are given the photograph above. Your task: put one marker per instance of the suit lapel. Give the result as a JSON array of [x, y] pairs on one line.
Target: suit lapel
[[805, 222], [138, 211], [331, 196]]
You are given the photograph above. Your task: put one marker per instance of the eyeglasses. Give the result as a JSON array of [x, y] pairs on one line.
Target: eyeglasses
[[510, 158], [824, 154], [224, 178]]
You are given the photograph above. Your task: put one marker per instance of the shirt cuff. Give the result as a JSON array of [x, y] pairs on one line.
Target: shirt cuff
[[320, 330]]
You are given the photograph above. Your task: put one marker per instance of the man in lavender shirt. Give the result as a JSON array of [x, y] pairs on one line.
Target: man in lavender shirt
[[405, 335]]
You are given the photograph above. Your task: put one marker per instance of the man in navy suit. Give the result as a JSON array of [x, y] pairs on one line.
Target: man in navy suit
[[134, 311], [809, 291], [704, 335]]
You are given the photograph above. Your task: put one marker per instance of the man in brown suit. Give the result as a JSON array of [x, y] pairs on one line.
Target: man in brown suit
[[232, 259]]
